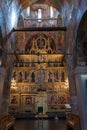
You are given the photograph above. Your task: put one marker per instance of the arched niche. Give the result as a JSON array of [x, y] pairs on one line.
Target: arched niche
[[47, 17], [81, 41]]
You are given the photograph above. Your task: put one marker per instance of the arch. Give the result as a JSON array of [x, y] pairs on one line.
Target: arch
[[49, 16], [81, 41], [26, 3], [40, 43]]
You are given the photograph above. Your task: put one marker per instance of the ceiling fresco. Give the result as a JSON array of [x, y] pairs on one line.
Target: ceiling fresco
[[55, 3], [30, 18]]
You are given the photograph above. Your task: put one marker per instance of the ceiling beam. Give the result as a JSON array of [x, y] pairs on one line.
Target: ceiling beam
[[40, 29]]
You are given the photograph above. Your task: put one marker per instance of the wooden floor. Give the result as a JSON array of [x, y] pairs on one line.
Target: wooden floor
[[55, 124]]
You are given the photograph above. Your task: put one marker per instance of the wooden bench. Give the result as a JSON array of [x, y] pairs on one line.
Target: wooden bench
[[73, 122], [6, 122]]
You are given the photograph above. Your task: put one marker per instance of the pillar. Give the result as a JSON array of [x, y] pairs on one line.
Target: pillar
[[81, 86], [2, 75], [72, 85]]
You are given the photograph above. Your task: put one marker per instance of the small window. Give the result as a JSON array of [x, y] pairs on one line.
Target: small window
[[39, 15], [28, 11], [51, 12]]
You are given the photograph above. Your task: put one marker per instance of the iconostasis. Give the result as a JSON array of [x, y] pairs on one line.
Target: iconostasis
[[39, 75], [39, 78]]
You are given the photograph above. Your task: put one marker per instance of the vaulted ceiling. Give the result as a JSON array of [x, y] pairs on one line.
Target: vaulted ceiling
[[55, 3]]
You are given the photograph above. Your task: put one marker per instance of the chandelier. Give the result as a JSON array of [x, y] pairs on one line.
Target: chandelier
[[13, 84]]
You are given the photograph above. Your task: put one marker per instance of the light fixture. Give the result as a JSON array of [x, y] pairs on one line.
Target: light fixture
[[66, 84], [13, 84]]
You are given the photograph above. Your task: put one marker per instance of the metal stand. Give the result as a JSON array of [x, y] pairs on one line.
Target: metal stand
[[40, 118]]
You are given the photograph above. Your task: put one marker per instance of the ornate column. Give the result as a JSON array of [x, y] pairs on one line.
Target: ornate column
[[81, 87]]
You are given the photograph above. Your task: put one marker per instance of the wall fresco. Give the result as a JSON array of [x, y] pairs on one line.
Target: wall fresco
[[46, 21]]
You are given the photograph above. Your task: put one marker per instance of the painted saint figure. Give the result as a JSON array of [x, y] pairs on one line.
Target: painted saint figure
[[26, 76], [32, 77], [56, 78], [49, 76], [20, 78], [62, 76]]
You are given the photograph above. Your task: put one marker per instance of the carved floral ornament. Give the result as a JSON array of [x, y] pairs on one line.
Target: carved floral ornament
[[41, 44]]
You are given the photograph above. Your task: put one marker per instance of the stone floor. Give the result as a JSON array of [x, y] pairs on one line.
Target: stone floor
[[40, 124]]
